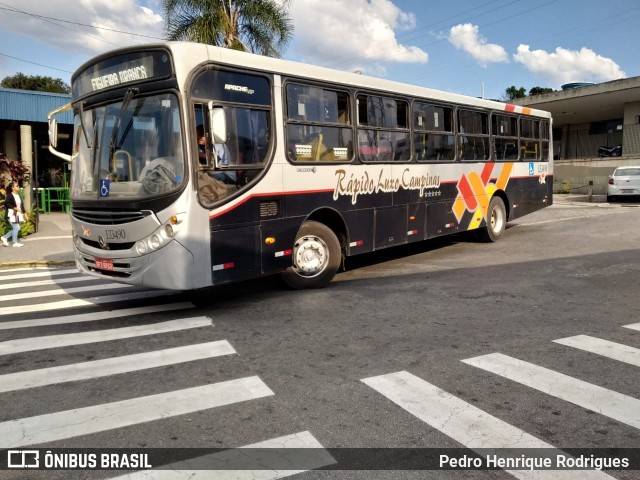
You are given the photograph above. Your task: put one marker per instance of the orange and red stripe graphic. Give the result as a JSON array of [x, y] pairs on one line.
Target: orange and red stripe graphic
[[475, 192]]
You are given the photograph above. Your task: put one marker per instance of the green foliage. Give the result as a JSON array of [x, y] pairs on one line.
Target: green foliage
[[13, 170], [539, 90], [28, 227], [512, 93], [35, 83], [54, 177], [259, 26], [4, 224]]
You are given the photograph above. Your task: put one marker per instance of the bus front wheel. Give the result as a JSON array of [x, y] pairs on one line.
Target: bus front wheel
[[316, 257], [496, 221]]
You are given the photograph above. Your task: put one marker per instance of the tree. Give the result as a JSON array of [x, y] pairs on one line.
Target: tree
[[258, 26], [539, 90], [35, 83], [512, 93]]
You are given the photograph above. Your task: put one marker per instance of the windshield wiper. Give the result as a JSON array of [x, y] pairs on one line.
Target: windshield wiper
[[84, 127], [116, 126]]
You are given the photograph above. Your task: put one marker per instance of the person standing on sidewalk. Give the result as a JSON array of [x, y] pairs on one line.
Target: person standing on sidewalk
[[13, 203]]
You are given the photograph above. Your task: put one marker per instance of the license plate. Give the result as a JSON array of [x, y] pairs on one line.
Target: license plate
[[104, 264], [627, 190]]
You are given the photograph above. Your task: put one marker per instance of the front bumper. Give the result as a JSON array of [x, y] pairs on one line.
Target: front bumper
[[167, 268]]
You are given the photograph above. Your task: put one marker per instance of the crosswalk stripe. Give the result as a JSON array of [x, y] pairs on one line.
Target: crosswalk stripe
[[95, 316], [99, 418], [30, 273], [26, 269], [41, 283], [616, 351], [612, 404], [84, 302], [633, 326], [231, 464], [113, 366], [64, 340], [63, 291], [468, 425]]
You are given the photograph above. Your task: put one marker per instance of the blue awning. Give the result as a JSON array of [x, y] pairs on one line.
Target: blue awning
[[29, 106]]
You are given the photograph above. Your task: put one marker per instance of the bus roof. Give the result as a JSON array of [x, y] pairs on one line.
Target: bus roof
[[188, 54]]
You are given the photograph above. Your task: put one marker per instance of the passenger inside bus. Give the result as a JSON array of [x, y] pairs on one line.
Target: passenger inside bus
[[223, 156], [202, 145]]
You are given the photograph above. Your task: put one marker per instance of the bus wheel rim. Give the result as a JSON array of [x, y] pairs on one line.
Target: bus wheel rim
[[311, 256], [496, 220]]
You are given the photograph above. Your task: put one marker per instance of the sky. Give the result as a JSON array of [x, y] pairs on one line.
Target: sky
[[472, 47]]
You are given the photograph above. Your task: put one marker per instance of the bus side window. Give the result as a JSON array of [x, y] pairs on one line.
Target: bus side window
[[318, 124]]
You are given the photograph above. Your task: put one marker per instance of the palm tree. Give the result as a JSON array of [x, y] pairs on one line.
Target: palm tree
[[258, 26]]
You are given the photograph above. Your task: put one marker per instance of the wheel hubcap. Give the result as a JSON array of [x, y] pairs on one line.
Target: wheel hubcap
[[310, 255], [496, 220]]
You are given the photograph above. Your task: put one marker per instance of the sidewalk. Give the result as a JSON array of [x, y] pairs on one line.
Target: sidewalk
[[578, 198], [50, 245]]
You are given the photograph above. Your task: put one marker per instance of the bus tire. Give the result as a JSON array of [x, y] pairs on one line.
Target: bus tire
[[316, 257], [496, 221]]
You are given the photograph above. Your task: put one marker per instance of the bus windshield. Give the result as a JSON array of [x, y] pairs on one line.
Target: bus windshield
[[129, 149]]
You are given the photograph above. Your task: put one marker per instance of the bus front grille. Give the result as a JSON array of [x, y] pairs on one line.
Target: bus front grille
[[108, 246], [109, 217]]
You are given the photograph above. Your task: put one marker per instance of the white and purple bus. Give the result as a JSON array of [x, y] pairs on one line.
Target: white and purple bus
[[195, 166]]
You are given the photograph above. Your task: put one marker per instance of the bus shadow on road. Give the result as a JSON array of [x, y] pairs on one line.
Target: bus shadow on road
[[271, 285], [408, 250]]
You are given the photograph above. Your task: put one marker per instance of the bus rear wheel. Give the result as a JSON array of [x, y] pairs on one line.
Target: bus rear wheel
[[316, 257], [496, 221]]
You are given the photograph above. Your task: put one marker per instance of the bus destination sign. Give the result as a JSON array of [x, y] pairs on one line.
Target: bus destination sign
[[123, 76], [121, 70]]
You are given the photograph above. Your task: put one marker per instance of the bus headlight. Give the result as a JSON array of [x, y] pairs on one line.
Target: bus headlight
[[163, 235], [154, 242], [141, 248]]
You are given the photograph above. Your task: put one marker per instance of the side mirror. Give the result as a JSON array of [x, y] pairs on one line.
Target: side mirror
[[53, 133], [218, 124]]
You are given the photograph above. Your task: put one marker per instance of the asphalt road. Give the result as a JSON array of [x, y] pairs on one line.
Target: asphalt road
[[468, 324]]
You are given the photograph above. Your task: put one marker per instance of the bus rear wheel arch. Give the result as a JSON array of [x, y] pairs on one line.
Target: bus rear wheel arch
[[316, 257], [496, 221]]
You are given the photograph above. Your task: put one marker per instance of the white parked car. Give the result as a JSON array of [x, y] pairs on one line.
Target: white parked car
[[623, 181]]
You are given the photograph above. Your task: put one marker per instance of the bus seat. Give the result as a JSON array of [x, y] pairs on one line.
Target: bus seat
[[312, 150], [317, 147], [530, 151]]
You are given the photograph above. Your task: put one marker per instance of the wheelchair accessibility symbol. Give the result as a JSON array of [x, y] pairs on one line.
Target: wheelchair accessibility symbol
[[104, 187], [531, 169]]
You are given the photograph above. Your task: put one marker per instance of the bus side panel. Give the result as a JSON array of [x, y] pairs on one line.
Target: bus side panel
[[417, 222], [360, 227], [277, 256], [527, 195], [235, 254], [304, 204], [391, 226], [251, 211], [441, 219]]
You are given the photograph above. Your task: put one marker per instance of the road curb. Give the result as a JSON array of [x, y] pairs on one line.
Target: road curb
[[38, 263]]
